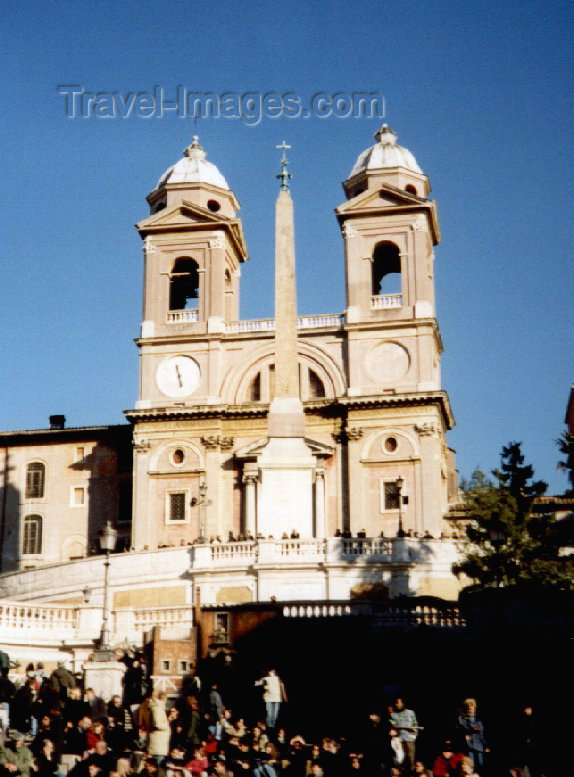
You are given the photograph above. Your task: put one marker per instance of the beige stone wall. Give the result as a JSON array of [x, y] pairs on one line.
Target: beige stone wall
[[150, 597], [80, 494]]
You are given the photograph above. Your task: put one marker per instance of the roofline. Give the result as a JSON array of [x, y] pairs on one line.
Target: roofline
[[16, 436]]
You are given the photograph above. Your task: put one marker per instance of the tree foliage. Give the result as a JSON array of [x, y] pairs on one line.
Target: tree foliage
[[507, 543], [565, 445]]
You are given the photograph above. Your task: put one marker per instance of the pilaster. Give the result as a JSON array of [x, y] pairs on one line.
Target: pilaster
[[144, 530]]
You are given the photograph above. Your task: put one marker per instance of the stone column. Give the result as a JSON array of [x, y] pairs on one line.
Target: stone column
[[216, 521], [355, 479], [144, 531], [430, 516], [320, 523], [250, 483], [216, 319]]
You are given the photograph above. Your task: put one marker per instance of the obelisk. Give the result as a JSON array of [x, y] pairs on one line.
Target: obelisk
[[286, 464]]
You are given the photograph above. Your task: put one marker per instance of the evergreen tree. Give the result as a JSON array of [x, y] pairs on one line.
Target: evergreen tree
[[506, 542], [565, 444]]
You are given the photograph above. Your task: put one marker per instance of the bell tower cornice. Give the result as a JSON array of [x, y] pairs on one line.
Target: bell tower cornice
[[188, 217], [386, 200]]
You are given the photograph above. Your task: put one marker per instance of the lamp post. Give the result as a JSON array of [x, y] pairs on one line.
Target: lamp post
[[107, 538], [400, 483], [203, 502]]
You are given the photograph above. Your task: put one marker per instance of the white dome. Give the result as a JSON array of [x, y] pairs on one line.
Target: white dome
[[385, 153], [193, 168]]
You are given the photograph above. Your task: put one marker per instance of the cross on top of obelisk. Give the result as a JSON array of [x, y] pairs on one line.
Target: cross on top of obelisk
[[284, 175]]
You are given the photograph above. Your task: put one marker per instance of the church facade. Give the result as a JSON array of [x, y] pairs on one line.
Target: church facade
[[367, 502]]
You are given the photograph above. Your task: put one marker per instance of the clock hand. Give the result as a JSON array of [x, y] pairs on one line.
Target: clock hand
[[178, 373]]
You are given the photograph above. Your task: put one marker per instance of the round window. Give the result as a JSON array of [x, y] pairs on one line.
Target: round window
[[213, 206], [178, 457], [391, 444]]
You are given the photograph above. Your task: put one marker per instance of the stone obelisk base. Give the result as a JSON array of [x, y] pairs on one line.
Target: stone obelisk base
[[105, 677], [286, 467]]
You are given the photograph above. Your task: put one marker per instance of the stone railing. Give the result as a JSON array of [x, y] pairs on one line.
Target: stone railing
[[292, 551], [317, 322], [232, 551], [29, 619], [440, 615], [382, 548], [183, 316], [382, 301], [303, 322], [175, 622], [80, 625], [322, 610]]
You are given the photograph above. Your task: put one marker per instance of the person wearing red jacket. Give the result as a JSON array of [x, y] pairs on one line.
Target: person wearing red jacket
[[447, 763]]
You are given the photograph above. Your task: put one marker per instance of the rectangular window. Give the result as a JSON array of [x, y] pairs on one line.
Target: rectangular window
[[32, 535], [35, 475], [124, 503], [78, 496], [221, 627], [79, 453], [183, 666], [390, 495], [165, 666], [176, 506]]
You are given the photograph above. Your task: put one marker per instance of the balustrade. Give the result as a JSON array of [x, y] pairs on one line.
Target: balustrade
[[182, 316], [410, 614], [231, 551], [381, 548], [37, 617], [367, 550], [303, 322], [382, 301]]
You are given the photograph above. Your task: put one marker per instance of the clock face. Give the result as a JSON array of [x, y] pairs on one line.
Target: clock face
[[178, 376]]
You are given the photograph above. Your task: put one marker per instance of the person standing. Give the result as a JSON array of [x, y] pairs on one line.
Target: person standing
[[405, 722], [97, 706], [273, 695], [7, 691], [62, 680], [160, 731], [472, 732]]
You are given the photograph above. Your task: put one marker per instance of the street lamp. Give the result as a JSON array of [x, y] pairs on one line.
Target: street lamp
[[107, 538], [203, 502], [400, 482]]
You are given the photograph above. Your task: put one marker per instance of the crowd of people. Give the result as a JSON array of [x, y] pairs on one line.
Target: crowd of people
[[50, 726]]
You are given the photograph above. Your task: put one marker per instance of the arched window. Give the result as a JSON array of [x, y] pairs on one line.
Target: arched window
[[316, 387], [35, 478], [386, 269], [184, 284], [32, 542], [410, 188]]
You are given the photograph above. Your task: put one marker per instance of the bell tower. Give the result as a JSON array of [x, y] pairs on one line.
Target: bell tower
[[390, 228], [193, 245]]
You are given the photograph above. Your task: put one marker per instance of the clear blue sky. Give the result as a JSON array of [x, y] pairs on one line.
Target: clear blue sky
[[479, 91]]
